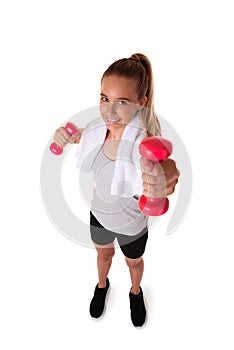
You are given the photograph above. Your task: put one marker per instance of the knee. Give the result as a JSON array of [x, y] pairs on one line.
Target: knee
[[133, 263], [106, 254]]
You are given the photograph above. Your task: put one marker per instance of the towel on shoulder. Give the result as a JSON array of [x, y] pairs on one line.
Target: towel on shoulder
[[127, 180]]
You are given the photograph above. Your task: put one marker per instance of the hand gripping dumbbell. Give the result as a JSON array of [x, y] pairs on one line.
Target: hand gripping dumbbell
[[72, 130], [154, 148]]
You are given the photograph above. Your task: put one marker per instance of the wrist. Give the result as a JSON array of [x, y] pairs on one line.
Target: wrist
[[78, 136]]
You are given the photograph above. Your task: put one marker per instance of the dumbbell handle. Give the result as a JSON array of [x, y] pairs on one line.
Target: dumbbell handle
[[72, 130], [156, 149]]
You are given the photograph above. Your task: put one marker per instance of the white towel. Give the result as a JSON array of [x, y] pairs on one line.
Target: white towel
[[127, 180]]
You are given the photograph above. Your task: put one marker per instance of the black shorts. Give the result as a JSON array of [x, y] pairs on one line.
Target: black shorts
[[132, 246]]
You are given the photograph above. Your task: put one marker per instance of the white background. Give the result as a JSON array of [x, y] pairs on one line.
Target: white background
[[52, 56]]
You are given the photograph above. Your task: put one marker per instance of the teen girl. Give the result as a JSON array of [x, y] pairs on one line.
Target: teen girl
[[126, 91]]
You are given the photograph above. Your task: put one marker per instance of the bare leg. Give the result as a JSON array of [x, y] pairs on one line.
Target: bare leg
[[104, 260], [136, 268]]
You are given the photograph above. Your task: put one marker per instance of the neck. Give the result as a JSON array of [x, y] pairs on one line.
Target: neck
[[115, 134]]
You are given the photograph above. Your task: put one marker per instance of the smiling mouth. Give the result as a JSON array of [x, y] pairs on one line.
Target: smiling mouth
[[111, 120]]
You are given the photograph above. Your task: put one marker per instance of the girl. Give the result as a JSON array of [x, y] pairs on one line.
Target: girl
[[126, 98]]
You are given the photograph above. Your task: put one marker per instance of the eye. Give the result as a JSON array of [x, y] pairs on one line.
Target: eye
[[122, 103], [104, 99]]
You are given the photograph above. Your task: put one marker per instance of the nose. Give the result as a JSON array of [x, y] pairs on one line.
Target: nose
[[112, 108]]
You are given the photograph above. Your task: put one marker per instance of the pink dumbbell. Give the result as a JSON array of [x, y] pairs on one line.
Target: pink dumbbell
[[72, 130], [156, 149]]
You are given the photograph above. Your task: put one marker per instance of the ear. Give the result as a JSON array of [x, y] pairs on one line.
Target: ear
[[143, 102]]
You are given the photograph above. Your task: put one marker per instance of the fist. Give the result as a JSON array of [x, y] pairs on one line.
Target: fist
[[62, 138], [159, 179]]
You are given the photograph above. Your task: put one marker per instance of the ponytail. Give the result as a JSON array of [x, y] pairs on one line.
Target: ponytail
[[138, 68]]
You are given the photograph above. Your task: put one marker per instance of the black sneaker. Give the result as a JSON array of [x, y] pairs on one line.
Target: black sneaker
[[138, 311], [97, 304]]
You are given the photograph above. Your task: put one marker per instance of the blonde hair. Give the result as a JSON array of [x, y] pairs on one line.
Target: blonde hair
[[138, 68]]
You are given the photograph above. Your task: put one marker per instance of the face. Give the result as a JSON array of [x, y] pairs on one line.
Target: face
[[119, 102]]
